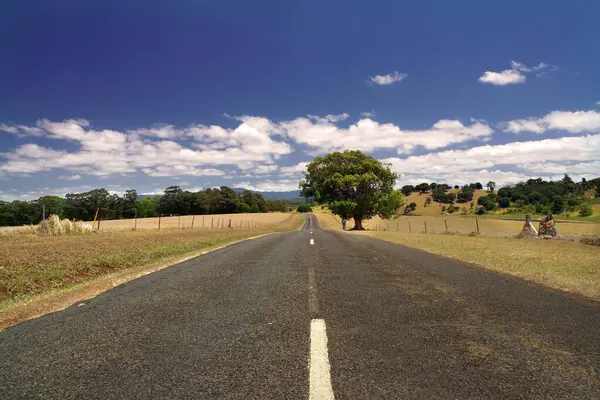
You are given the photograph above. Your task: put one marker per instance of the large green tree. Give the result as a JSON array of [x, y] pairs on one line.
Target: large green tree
[[352, 185]]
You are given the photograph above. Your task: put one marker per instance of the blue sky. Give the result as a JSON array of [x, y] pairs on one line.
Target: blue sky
[[128, 94]]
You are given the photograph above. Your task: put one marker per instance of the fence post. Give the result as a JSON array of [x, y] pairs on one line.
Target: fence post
[[193, 218], [425, 223], [159, 222], [203, 222], [409, 228], [230, 223], [397, 226], [446, 223], [477, 222], [179, 222], [98, 223], [212, 220], [135, 221]]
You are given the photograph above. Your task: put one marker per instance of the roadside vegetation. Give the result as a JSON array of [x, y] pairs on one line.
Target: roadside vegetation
[[35, 264], [109, 206]]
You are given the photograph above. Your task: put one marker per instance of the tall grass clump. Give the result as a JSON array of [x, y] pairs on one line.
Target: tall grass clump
[[54, 226]]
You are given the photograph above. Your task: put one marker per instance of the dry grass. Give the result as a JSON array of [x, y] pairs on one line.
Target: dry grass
[[456, 224], [568, 266], [184, 222], [32, 264]]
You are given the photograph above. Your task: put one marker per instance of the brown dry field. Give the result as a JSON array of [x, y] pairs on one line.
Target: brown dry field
[[33, 264], [456, 224]]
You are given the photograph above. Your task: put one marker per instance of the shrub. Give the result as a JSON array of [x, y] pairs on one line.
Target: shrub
[[412, 206], [304, 208], [444, 209], [54, 226], [481, 210], [504, 202], [585, 210]]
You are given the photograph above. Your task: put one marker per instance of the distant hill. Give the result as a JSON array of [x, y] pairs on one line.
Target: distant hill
[[289, 195]]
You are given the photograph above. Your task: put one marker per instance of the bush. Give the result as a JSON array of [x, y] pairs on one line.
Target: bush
[[487, 202], [304, 208], [585, 210], [481, 211], [54, 226], [504, 202], [412, 206], [452, 208]]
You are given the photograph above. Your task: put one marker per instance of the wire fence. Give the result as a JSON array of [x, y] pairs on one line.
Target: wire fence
[[487, 226], [223, 221]]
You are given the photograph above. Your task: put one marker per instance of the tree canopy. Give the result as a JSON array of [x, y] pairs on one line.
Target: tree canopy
[[352, 185]]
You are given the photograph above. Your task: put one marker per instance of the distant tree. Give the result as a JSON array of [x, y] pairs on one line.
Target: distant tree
[[442, 197], [407, 189], [423, 187], [585, 210], [456, 187], [304, 208], [353, 181], [504, 202], [433, 185], [147, 207], [478, 186], [487, 203], [465, 195], [276, 206], [491, 185], [129, 203]]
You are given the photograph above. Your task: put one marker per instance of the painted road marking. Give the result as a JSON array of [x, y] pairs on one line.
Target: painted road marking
[[320, 375], [313, 300], [312, 241]]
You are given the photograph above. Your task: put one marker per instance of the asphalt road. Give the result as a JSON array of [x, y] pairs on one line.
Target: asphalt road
[[280, 318]]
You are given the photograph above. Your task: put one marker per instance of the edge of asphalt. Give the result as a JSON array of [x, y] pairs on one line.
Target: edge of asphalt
[[578, 297], [60, 299]]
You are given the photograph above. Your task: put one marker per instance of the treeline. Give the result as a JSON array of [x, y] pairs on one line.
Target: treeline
[[534, 195], [174, 201]]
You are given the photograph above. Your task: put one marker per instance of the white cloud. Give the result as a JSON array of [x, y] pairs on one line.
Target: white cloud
[[368, 135], [517, 73], [282, 185], [294, 170], [505, 77], [70, 177], [461, 166], [329, 118], [369, 114], [388, 79], [569, 121]]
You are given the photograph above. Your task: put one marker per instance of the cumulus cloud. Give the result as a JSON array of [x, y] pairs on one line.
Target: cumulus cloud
[[282, 185], [388, 79], [70, 177], [568, 121], [505, 77], [368, 135], [517, 73], [369, 114], [479, 162]]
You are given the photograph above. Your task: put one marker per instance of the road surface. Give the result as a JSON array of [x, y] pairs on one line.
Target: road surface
[[311, 314]]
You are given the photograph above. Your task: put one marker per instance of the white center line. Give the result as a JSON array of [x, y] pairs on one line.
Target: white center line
[[320, 375], [313, 300], [312, 241]]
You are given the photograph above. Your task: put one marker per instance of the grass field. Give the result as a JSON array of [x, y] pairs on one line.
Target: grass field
[[435, 209], [217, 221], [456, 224], [32, 264], [567, 266]]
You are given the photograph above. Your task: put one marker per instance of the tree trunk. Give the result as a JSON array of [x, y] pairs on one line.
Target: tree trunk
[[358, 224]]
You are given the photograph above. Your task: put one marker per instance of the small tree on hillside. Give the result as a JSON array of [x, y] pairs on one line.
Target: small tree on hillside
[[491, 185], [353, 185]]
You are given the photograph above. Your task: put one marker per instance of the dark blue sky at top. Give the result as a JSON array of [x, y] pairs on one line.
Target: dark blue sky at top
[[131, 64]]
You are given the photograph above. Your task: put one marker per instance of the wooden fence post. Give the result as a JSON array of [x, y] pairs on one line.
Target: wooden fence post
[[159, 222], [397, 226], [409, 228], [193, 218], [425, 223], [212, 220], [203, 222], [477, 223], [446, 223], [230, 223]]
